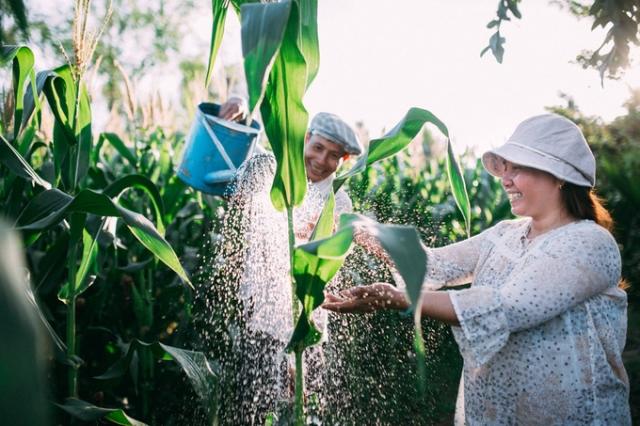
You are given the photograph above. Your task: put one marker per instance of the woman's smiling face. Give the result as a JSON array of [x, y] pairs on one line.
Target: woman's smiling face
[[531, 192]]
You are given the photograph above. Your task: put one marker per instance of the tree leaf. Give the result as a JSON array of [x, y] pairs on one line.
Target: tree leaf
[[219, 10], [263, 29]]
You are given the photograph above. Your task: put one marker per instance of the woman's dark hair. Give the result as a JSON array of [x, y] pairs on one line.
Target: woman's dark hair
[[583, 203]]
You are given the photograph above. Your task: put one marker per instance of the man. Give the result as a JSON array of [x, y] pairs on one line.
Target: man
[[329, 142], [254, 275]]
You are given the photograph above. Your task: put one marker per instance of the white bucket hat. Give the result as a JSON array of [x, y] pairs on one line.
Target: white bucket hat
[[550, 143]]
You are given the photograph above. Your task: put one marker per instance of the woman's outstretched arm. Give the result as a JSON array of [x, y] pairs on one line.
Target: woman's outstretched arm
[[435, 304]]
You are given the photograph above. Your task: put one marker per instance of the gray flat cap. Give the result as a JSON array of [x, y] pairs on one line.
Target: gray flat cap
[[333, 128], [550, 143]]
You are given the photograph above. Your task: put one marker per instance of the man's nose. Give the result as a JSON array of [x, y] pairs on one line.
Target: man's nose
[[324, 157]]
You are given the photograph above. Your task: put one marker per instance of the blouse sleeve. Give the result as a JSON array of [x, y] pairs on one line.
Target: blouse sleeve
[[453, 264], [562, 273]]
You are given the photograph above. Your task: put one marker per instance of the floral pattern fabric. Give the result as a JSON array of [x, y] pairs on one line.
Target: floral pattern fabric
[[542, 326]]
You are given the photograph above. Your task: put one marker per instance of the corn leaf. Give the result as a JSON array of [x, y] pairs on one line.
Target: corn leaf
[[69, 129], [89, 201], [285, 118], [18, 165], [23, 61], [83, 280], [324, 226], [403, 245], [309, 37], [263, 29], [316, 262], [397, 139], [203, 374], [394, 141], [23, 372], [32, 96], [458, 187], [219, 10], [314, 265], [88, 412], [116, 188], [119, 145]]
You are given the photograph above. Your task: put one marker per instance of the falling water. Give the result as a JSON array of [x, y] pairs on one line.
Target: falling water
[[364, 370]]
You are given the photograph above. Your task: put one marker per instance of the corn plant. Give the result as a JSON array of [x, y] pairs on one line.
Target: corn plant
[[66, 199], [280, 48]]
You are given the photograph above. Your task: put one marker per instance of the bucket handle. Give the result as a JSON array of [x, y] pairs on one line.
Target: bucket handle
[[216, 141]]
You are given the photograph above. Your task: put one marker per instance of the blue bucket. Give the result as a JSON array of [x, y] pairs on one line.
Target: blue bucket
[[215, 149]]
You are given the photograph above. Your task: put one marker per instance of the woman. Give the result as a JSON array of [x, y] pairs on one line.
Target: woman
[[543, 325]]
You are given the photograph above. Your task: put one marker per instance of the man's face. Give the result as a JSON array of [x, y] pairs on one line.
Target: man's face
[[321, 157]]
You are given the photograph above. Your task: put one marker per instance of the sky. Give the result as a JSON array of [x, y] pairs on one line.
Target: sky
[[379, 58]]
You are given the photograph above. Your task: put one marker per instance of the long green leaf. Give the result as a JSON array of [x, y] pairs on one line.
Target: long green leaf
[[203, 374], [88, 412], [88, 201], [23, 381], [72, 125], [309, 37], [394, 141], [116, 188], [324, 226], [119, 145], [314, 265], [458, 187], [403, 244], [59, 88], [316, 262], [285, 118], [219, 10], [23, 60], [84, 136], [263, 29], [397, 139], [83, 280], [18, 165], [32, 96]]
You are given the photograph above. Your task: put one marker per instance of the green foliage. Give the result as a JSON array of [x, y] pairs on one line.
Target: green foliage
[[68, 197], [22, 377], [219, 10], [87, 412], [622, 17], [263, 29]]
